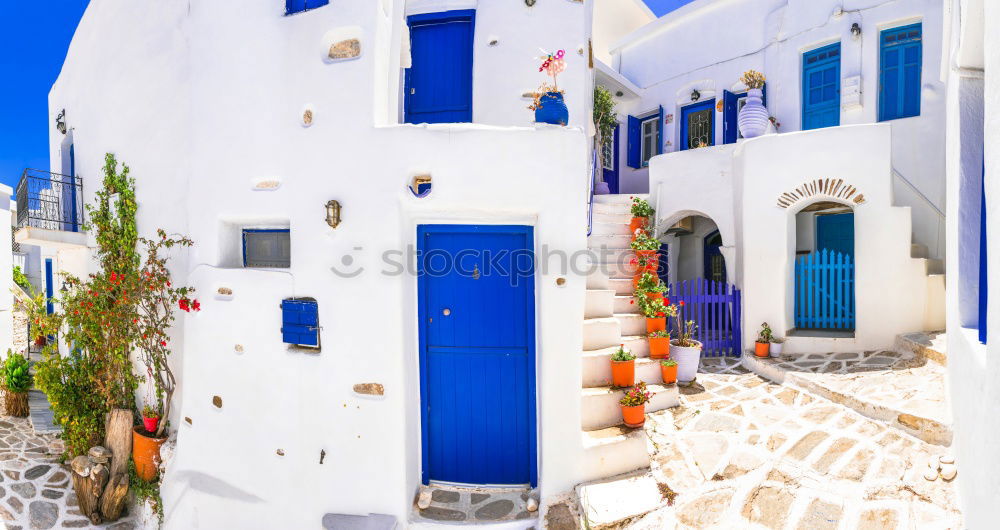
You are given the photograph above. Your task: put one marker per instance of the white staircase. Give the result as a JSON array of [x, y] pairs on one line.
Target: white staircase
[[609, 320], [934, 318]]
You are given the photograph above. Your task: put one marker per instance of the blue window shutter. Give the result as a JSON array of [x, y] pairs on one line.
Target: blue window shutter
[[729, 115], [634, 143], [659, 133], [900, 63], [763, 92], [821, 87], [294, 6], [300, 322]]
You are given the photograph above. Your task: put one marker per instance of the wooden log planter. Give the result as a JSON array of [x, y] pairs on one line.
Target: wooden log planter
[[100, 478]]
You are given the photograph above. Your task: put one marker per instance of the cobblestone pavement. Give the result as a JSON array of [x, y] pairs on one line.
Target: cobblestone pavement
[[35, 489], [741, 452]]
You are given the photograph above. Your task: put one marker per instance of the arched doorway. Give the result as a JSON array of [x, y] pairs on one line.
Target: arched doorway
[[714, 262], [824, 269]]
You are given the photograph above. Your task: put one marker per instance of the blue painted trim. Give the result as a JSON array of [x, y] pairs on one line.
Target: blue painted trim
[[983, 265], [611, 175], [301, 6], [440, 17], [49, 287], [74, 224], [685, 111], [812, 114], [653, 117], [634, 158], [422, 314], [243, 237]]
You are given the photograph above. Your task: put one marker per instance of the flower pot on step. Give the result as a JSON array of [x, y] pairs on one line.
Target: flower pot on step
[[656, 324], [623, 373], [688, 359], [668, 373], [146, 454], [635, 224], [775, 349], [761, 349], [634, 416], [654, 295], [659, 347], [552, 109]]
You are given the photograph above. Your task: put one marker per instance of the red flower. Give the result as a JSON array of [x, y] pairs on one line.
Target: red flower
[[163, 343], [630, 302], [184, 304], [135, 320], [682, 303], [666, 301], [661, 314], [196, 305]]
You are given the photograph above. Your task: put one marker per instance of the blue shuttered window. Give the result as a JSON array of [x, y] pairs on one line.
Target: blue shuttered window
[[297, 6], [300, 322], [645, 139], [821, 87], [267, 248], [901, 53], [634, 143]]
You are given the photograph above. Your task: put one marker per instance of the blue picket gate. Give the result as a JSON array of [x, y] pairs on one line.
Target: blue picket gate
[[824, 291], [715, 308]]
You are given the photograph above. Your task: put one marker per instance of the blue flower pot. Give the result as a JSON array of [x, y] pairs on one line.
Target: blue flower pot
[[552, 109]]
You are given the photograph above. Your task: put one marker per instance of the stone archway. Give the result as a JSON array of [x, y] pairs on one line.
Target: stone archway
[[833, 188]]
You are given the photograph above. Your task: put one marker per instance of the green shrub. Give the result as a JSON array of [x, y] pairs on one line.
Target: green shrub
[[16, 375], [20, 279]]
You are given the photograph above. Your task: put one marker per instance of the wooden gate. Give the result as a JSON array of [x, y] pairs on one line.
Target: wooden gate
[[715, 308], [824, 291]]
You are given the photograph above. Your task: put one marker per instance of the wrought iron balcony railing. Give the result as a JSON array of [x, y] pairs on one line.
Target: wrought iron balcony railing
[[49, 200]]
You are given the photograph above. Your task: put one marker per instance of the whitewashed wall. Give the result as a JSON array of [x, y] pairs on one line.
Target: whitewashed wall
[[613, 20], [6, 276], [203, 105], [706, 45]]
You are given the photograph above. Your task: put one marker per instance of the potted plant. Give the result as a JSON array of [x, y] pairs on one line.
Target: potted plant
[[645, 246], [643, 277], [656, 312], [763, 343], [633, 405], [622, 367], [641, 212], [753, 118], [777, 344], [668, 371], [150, 418], [659, 344], [684, 349], [17, 382], [549, 105], [650, 286]]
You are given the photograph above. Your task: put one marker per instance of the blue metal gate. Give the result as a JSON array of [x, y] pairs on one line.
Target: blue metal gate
[[824, 291], [715, 308], [477, 354]]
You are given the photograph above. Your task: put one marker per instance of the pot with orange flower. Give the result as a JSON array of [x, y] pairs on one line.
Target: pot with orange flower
[[633, 405], [668, 371], [641, 213], [622, 367], [645, 248], [684, 349], [659, 344]]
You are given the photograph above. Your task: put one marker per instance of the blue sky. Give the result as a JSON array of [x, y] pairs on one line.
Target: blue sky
[[34, 37]]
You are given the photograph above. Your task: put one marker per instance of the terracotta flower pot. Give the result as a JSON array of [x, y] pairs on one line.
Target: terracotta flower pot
[[669, 374], [648, 254], [635, 280], [634, 416], [656, 324], [654, 295], [659, 347], [623, 373], [636, 223], [150, 423], [761, 349], [146, 454]]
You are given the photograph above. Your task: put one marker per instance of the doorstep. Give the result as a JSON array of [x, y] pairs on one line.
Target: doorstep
[[505, 508]]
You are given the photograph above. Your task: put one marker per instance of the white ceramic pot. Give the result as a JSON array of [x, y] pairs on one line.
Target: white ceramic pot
[[688, 359], [776, 349], [753, 118]]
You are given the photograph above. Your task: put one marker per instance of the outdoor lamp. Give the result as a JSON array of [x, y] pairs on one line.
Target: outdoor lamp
[[695, 95], [332, 213], [855, 30], [61, 121]]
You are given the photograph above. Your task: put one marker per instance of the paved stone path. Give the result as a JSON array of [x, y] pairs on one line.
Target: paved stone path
[[743, 452], [470, 506], [35, 489]]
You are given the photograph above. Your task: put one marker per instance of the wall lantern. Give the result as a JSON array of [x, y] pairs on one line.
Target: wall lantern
[[332, 213], [695, 95], [855, 30], [61, 121], [529, 3]]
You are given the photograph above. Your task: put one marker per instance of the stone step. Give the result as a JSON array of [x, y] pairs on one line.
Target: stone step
[[616, 216], [490, 509], [597, 369], [612, 255], [601, 333], [918, 250], [620, 198], [621, 286], [934, 266], [613, 451], [631, 323], [931, 345], [600, 409], [596, 242], [625, 304], [599, 303], [637, 344], [597, 279], [614, 502], [613, 209], [610, 229]]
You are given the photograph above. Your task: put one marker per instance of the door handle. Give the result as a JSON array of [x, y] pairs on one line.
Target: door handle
[[446, 311]]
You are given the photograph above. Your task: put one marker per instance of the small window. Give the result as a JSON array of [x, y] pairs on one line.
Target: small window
[[300, 322], [264, 248], [650, 135], [900, 62], [298, 6]]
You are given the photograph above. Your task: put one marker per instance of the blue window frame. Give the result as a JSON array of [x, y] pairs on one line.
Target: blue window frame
[[901, 56], [300, 322], [698, 125], [266, 248], [298, 6], [645, 139], [821, 87]]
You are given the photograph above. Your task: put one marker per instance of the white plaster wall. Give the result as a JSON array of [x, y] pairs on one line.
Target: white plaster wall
[[697, 47], [203, 105], [6, 276], [613, 20]]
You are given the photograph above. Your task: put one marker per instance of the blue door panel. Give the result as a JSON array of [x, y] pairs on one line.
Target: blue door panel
[[49, 287], [835, 233], [439, 80], [901, 56], [686, 115], [611, 175], [821, 87], [476, 304]]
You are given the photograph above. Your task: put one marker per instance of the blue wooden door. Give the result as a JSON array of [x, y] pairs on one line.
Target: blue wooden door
[[835, 233], [477, 354], [821, 87], [714, 262], [901, 54], [609, 159], [439, 80], [698, 125]]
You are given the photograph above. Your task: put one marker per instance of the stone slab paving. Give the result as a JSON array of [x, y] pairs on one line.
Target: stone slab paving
[[476, 505], [743, 452], [903, 388], [35, 489]]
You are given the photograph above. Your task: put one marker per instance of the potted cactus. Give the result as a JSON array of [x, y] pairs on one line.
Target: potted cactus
[[659, 344], [763, 344], [622, 367], [668, 371], [633, 405]]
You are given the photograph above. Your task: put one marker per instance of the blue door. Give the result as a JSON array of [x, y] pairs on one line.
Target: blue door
[[439, 80], [714, 263], [821, 87], [835, 233], [899, 75], [698, 125], [49, 287], [609, 160], [477, 354]]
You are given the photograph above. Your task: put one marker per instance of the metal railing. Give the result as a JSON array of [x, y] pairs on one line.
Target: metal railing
[[49, 200]]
